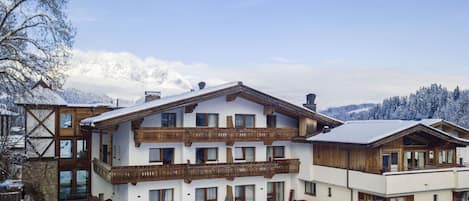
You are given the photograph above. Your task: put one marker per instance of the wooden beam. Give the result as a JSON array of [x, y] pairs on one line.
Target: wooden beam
[[190, 108], [232, 97], [269, 109]]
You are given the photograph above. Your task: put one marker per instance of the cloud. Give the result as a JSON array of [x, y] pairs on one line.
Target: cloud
[[280, 59], [125, 75]]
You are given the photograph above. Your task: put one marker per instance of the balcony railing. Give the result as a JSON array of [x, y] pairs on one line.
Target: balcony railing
[[394, 183], [189, 172], [228, 135]]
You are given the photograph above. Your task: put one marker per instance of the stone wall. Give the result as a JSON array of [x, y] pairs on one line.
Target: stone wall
[[40, 178]]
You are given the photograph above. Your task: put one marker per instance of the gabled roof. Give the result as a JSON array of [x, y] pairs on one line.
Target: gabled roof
[[41, 94], [372, 132], [194, 97]]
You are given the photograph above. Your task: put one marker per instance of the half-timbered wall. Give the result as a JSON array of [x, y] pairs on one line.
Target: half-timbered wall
[[40, 131]]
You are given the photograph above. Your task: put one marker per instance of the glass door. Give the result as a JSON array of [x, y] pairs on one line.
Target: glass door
[[275, 191]]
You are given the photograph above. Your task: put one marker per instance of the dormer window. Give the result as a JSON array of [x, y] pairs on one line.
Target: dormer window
[[245, 121]]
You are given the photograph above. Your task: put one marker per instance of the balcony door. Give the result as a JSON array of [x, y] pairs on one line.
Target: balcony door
[[275, 191], [390, 162], [415, 160]]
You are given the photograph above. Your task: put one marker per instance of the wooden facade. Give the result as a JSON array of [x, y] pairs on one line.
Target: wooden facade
[[402, 153], [189, 172], [228, 135]]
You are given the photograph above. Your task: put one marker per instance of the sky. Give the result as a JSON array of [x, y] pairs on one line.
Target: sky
[[344, 51]]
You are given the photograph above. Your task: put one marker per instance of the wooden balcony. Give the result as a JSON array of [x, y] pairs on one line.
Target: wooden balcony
[[228, 135], [189, 172]]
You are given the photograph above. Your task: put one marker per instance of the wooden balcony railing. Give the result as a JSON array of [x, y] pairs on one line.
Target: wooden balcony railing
[[228, 135], [189, 172]]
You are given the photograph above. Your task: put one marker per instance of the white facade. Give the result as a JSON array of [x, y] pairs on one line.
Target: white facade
[[125, 153]]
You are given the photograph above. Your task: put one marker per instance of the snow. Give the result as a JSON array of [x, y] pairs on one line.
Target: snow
[[369, 131], [91, 105], [5, 112], [41, 96], [155, 103], [359, 110]]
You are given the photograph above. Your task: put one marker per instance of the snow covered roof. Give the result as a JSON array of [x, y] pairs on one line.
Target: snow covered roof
[[369, 131], [183, 98], [41, 95], [5, 112], [90, 105]]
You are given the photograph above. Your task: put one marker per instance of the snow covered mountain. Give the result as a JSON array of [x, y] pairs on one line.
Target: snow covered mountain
[[125, 75], [434, 101]]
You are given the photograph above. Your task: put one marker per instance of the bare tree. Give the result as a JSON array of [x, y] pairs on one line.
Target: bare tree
[[35, 42]]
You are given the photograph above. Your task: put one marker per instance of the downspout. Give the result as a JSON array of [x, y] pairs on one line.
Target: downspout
[[348, 177]]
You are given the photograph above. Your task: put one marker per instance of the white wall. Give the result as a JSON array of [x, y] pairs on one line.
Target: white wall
[[98, 184], [186, 192]]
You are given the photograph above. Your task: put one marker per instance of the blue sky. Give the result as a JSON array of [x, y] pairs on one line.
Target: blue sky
[[411, 37]]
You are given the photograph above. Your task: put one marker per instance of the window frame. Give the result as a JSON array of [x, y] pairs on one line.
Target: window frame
[[160, 193], [85, 148], [244, 153], [72, 155], [447, 158], [312, 188], [270, 121], [206, 120], [205, 150], [71, 120], [244, 192], [206, 193], [161, 150], [165, 120], [244, 120]]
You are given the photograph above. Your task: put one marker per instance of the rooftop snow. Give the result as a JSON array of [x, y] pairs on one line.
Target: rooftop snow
[[41, 96], [5, 112], [155, 103], [369, 131]]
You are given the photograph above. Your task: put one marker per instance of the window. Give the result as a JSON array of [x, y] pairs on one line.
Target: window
[[415, 160], [244, 193], [310, 188], [165, 155], [65, 188], [65, 120], [244, 121], [66, 149], [206, 154], [275, 152], [168, 120], [271, 121], [82, 181], [446, 156], [206, 194], [245, 153], [390, 162], [82, 150], [206, 120], [162, 195], [275, 191]]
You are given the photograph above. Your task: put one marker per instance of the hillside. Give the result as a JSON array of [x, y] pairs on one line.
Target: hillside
[[434, 101]]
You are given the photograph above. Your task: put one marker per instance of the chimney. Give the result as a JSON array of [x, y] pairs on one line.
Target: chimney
[[310, 98], [201, 85], [152, 95]]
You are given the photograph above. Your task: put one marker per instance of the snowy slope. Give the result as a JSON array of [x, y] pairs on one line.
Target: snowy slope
[[434, 101]]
